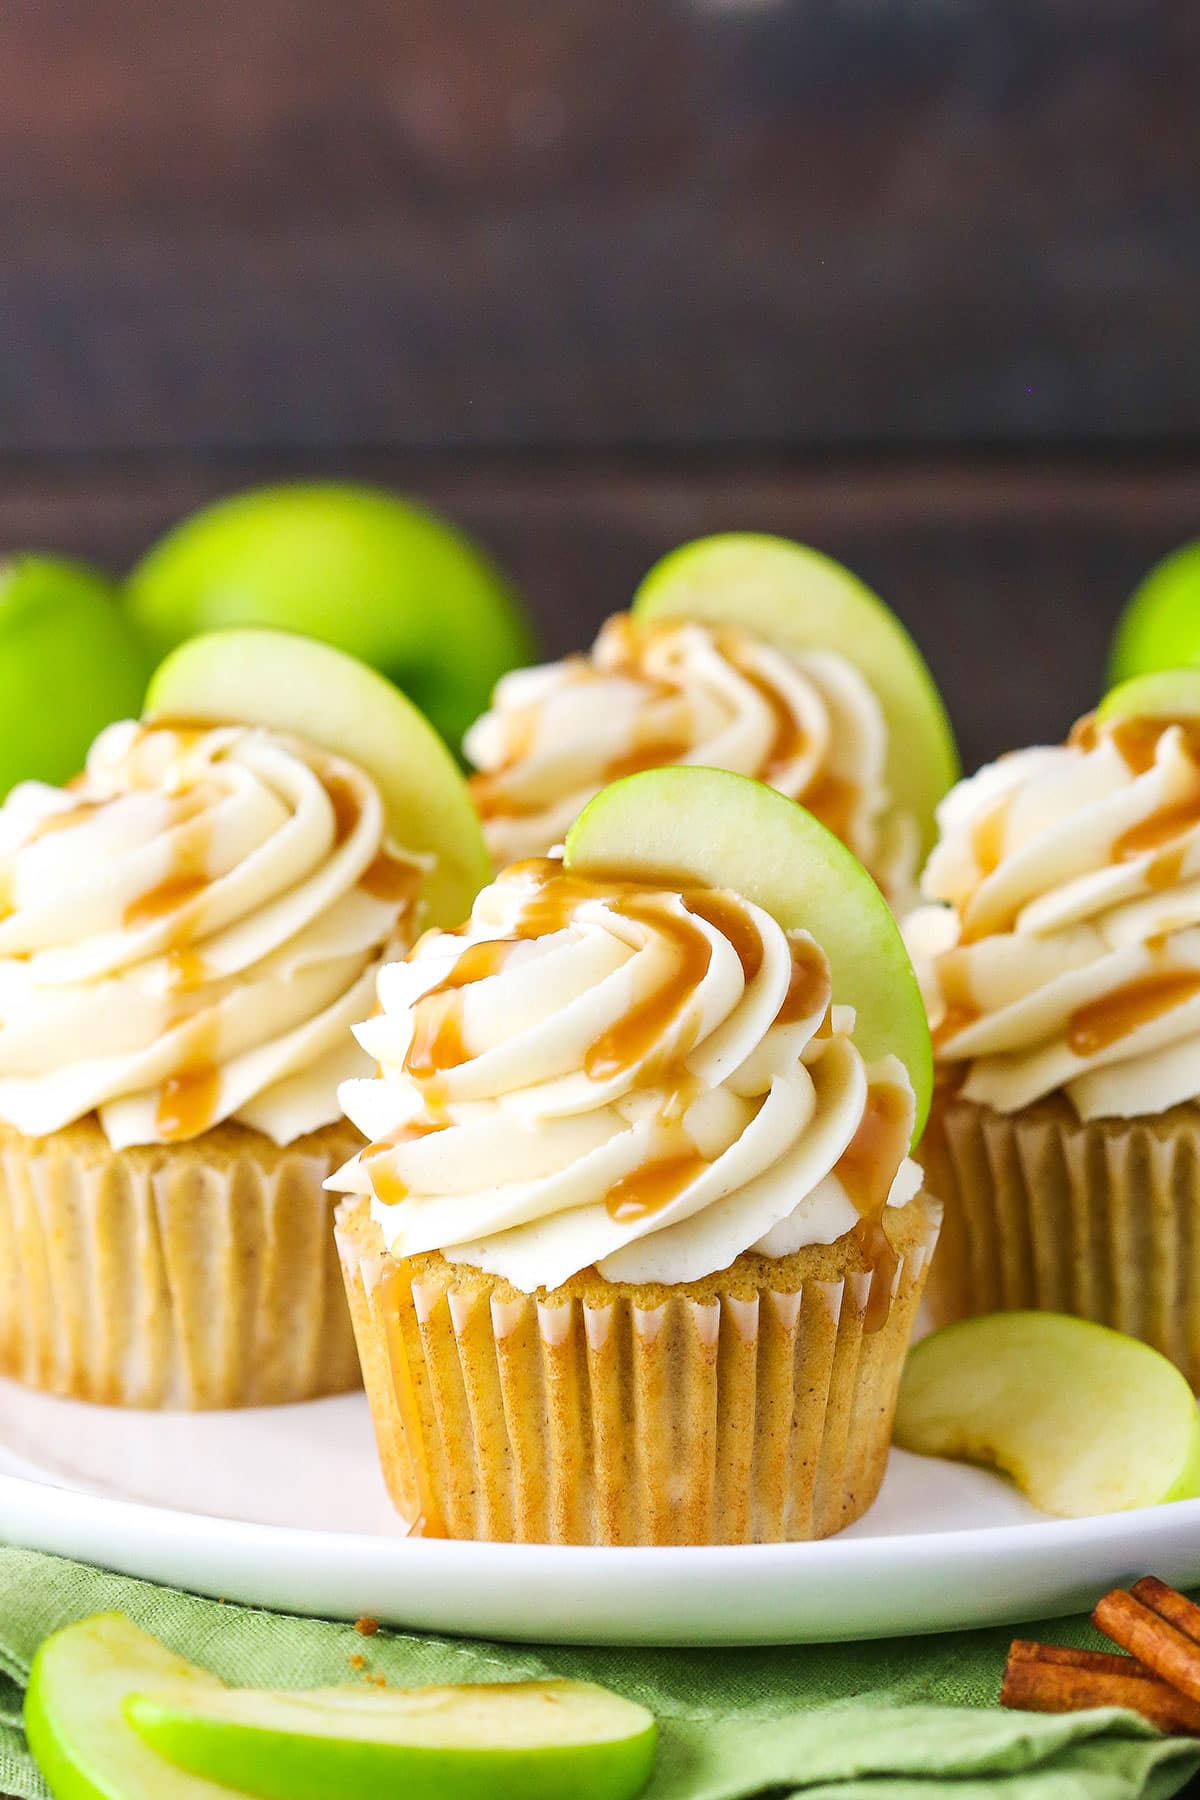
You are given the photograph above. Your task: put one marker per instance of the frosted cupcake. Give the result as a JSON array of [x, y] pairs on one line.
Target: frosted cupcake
[[743, 653], [1063, 980], [189, 932], [635, 1249]]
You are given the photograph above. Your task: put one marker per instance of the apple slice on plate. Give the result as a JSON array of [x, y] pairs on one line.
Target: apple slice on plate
[[355, 566], [799, 600], [294, 684], [1084, 1419], [705, 827], [70, 663], [112, 1714]]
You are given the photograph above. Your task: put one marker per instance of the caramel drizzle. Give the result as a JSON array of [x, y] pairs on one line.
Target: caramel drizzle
[[652, 1187], [1104, 1022], [866, 1170]]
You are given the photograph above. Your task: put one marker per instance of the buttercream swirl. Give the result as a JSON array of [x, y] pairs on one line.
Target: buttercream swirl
[[189, 933], [649, 1082], [646, 695], [1066, 953]]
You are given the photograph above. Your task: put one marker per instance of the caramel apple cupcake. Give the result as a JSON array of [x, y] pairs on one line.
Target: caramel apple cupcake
[[745, 653], [636, 1247], [189, 933], [1062, 969]]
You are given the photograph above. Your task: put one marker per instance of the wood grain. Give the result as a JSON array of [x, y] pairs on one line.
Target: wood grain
[[565, 222], [1009, 571]]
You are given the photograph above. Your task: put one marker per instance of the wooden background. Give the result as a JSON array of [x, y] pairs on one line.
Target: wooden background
[[918, 280]]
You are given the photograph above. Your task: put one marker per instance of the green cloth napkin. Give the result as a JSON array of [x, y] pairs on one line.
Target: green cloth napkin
[[885, 1720]]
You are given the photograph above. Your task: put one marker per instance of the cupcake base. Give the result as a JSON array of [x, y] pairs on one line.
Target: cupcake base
[[191, 1275], [750, 1407], [1100, 1219]]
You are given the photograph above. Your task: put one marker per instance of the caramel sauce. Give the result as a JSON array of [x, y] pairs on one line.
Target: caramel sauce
[[788, 740], [834, 801], [1155, 833], [651, 750], [1103, 1022], [187, 1103], [168, 897], [437, 1041], [987, 837], [648, 1189], [866, 1170], [346, 802], [1084, 733], [391, 878], [808, 986], [186, 969], [82, 814], [953, 1020], [727, 917], [632, 1039]]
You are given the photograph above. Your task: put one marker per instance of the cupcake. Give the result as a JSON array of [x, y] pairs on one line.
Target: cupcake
[[743, 653], [1062, 973], [189, 931], [636, 1246]]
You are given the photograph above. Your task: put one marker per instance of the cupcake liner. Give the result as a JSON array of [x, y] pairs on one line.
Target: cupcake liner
[[1045, 1211], [194, 1275], [749, 1408]]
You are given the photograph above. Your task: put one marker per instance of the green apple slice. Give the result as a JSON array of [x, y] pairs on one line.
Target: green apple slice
[[1160, 627], [79, 1736], [70, 663], [714, 829], [526, 1741], [1161, 694], [296, 685], [354, 566], [1083, 1419], [801, 600]]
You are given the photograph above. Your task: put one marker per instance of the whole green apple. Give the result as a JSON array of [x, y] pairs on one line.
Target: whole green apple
[[70, 663], [1160, 627], [360, 568]]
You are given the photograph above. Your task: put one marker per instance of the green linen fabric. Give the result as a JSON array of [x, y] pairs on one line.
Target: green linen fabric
[[890, 1720]]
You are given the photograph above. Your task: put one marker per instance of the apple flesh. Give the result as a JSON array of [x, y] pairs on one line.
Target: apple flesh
[[355, 566], [528, 1741], [1084, 1419], [709, 828], [1160, 627], [1162, 694], [798, 599], [79, 1736], [70, 663], [296, 685]]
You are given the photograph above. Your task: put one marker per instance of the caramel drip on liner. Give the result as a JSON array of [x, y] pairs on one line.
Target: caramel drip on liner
[[866, 1170]]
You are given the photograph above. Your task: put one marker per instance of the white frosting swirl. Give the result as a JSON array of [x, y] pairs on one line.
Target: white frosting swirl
[[1067, 955], [189, 933], [649, 1082], [646, 695]]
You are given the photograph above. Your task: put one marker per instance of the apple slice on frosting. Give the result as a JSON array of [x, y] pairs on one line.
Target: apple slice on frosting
[[309, 690]]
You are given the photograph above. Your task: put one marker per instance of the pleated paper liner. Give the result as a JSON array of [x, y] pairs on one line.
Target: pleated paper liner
[[194, 1275], [1098, 1219], [751, 1407]]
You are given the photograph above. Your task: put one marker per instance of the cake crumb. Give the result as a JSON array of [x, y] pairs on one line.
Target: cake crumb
[[366, 1627]]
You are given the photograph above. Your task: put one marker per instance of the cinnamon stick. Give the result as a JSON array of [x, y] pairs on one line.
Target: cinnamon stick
[[1165, 1649], [1169, 1604], [1052, 1679]]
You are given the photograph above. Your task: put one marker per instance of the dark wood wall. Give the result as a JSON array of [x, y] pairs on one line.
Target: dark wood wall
[[916, 279]]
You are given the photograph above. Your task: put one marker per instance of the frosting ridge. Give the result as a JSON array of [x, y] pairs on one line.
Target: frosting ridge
[[651, 1082], [1065, 953], [189, 932], [646, 695]]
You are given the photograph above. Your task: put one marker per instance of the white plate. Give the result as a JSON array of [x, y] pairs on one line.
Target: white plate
[[285, 1508]]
